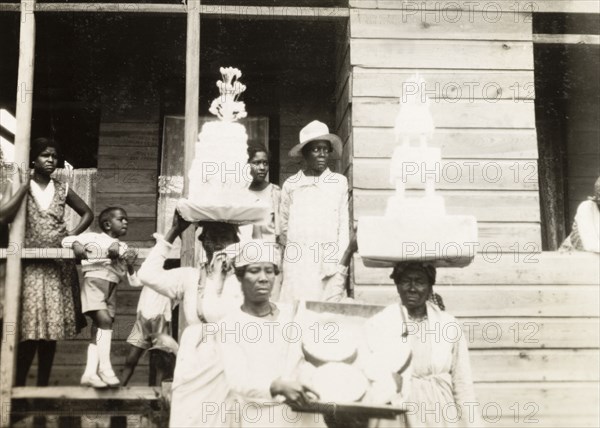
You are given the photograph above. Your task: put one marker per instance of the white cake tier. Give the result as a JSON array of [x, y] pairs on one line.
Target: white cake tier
[[444, 240], [220, 163], [415, 165], [208, 178], [240, 207], [415, 207]]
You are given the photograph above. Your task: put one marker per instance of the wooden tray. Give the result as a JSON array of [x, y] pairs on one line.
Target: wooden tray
[[378, 412]]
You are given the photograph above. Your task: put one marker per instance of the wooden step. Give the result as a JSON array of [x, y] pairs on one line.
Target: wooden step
[[576, 268], [70, 375], [76, 400]]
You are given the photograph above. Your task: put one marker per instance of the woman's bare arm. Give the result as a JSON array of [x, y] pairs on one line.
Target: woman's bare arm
[[81, 208]]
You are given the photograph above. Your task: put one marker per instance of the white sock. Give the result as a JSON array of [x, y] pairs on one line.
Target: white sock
[[91, 366], [103, 340]]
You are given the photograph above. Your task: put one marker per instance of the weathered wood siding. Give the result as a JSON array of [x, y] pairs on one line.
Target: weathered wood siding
[[127, 175], [531, 323], [531, 319], [478, 69]]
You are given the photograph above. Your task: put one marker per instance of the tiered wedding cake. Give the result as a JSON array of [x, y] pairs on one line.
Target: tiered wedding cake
[[220, 175], [416, 228]]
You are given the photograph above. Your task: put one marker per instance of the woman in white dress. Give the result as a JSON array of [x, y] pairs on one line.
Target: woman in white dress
[[441, 389], [260, 349], [314, 216]]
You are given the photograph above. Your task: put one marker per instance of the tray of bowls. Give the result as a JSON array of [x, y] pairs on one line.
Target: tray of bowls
[[354, 370]]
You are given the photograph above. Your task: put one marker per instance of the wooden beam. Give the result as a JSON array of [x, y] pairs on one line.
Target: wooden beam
[[261, 12], [192, 95], [76, 401], [62, 253], [447, 8], [78, 393], [17, 230], [567, 39]]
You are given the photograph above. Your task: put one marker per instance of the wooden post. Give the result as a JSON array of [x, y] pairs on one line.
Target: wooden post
[[192, 95], [11, 326]]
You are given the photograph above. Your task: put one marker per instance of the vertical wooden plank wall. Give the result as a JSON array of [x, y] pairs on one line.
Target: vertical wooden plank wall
[[127, 175], [478, 68], [343, 103]]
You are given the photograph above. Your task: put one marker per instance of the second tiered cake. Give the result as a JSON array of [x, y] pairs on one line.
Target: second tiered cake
[[416, 228], [220, 175]]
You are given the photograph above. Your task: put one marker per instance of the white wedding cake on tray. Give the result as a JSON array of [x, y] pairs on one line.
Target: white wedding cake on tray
[[220, 175], [416, 227]]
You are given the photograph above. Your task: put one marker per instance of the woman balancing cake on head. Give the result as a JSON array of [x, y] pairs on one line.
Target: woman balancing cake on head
[[441, 386], [50, 302], [220, 175], [198, 375]]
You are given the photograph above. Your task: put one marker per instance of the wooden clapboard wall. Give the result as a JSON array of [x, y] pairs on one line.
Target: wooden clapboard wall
[[532, 327], [343, 105], [127, 175], [478, 70], [531, 319]]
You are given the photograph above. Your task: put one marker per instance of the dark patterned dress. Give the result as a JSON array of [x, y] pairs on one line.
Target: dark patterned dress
[[50, 302]]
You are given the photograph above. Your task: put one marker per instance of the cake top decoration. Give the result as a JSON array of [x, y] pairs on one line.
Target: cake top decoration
[[414, 118], [226, 106]]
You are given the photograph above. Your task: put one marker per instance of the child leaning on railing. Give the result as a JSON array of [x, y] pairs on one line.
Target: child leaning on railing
[[105, 262]]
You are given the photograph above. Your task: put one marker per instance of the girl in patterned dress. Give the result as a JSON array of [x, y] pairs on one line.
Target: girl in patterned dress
[[50, 303]]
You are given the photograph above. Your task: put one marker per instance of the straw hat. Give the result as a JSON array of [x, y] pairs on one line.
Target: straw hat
[[316, 131]]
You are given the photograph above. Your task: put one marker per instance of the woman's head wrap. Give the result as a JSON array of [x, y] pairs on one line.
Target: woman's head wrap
[[256, 251], [427, 268]]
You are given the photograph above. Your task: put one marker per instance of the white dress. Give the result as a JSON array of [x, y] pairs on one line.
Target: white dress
[[256, 351], [440, 370], [314, 222]]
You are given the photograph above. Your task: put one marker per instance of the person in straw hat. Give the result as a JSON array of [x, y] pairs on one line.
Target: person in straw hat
[[314, 220]]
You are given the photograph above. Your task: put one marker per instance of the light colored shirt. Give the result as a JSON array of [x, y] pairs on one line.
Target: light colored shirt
[[314, 223], [152, 304], [440, 372], [269, 228], [97, 265], [585, 235], [256, 351], [314, 209], [183, 284]]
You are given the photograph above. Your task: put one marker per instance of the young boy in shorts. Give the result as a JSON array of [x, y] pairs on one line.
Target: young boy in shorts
[[105, 262], [152, 322]]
